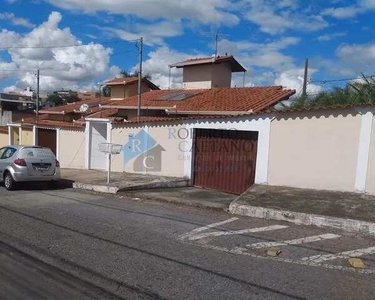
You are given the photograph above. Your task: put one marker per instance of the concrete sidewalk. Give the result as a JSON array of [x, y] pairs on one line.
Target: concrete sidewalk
[[97, 181], [347, 211]]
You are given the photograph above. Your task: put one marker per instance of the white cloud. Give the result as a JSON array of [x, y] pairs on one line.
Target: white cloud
[[360, 58], [274, 18], [205, 12], [157, 65], [342, 12], [266, 55], [65, 67], [294, 79], [16, 20], [351, 11], [156, 20], [330, 36], [10, 89], [7, 69], [153, 34], [367, 3]]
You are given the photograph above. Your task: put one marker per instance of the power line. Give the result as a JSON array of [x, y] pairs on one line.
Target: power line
[[64, 46], [32, 70], [338, 80], [118, 53], [55, 69]]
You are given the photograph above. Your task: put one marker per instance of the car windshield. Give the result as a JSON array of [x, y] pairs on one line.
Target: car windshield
[[34, 152]]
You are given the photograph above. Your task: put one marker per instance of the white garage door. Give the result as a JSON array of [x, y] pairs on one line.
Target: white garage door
[[98, 159]]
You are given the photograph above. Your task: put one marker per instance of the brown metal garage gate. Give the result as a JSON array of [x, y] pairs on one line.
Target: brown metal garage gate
[[225, 159], [47, 138]]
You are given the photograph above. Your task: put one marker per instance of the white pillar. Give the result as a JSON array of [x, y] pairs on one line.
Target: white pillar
[[363, 151], [58, 143], [109, 140], [87, 145], [20, 135], [35, 136], [10, 135]]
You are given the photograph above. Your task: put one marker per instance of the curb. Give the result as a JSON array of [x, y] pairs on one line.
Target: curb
[[114, 190], [156, 185], [96, 188], [349, 225]]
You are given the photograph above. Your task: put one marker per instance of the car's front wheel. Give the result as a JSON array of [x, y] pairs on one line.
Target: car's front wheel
[[9, 182]]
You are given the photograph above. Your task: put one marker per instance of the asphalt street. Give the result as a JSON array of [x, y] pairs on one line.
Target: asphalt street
[[66, 244]]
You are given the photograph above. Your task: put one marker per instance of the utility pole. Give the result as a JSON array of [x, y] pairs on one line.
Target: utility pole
[[216, 42], [37, 96], [304, 89], [140, 49]]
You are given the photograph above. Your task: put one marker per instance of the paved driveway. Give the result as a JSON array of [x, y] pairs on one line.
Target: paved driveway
[[80, 245]]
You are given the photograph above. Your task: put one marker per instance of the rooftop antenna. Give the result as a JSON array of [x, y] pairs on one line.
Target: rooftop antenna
[[169, 79]]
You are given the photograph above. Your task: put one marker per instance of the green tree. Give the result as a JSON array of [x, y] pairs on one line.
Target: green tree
[[125, 74], [72, 98], [106, 91], [55, 99], [359, 92]]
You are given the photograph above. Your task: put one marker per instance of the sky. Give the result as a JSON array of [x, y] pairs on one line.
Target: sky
[[270, 38]]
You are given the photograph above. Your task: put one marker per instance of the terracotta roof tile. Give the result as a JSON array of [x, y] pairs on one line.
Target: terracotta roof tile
[[122, 80], [53, 124], [127, 80], [253, 99], [235, 65], [101, 113], [71, 107]]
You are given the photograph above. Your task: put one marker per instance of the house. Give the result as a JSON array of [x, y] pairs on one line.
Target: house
[[128, 86], [4, 136], [173, 122]]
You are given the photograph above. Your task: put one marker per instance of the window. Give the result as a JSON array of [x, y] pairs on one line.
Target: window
[[177, 96], [8, 153], [2, 150]]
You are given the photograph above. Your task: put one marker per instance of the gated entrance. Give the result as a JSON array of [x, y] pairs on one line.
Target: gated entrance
[[225, 159], [47, 138]]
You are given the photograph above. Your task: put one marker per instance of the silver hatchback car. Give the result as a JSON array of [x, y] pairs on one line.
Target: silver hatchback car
[[28, 163]]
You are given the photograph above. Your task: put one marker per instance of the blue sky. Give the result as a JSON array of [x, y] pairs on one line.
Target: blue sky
[[270, 38]]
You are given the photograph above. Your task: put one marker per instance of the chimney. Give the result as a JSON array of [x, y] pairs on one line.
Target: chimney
[[208, 72]]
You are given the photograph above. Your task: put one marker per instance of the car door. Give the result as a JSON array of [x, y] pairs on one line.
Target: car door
[[2, 162]]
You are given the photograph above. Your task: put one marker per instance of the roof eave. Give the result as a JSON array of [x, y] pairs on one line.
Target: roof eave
[[52, 112], [136, 107], [211, 113]]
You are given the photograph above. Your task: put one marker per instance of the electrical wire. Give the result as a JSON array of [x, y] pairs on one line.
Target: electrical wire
[[338, 80], [65, 46], [55, 69]]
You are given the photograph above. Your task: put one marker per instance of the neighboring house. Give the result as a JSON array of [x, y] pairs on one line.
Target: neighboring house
[[128, 86], [4, 140], [208, 72], [216, 101], [14, 106], [59, 128], [86, 95]]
